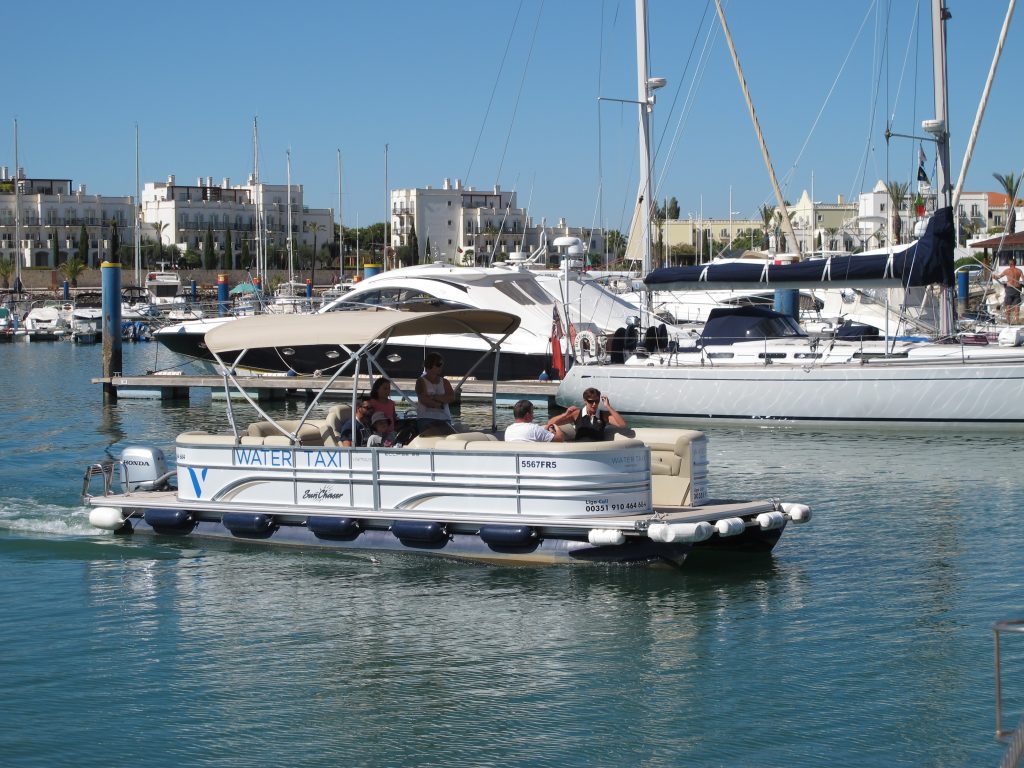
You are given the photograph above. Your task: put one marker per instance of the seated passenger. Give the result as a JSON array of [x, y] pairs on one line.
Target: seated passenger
[[363, 413], [523, 430], [590, 422], [380, 398], [434, 393], [382, 436]]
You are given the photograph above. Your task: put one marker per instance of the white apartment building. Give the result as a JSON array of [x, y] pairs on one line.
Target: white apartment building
[[52, 216], [180, 215], [465, 225]]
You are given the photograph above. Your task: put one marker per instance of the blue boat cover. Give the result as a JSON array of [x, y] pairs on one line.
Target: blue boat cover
[[728, 325], [925, 262]]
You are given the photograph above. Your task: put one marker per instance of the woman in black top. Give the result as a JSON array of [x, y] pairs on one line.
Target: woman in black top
[[590, 422]]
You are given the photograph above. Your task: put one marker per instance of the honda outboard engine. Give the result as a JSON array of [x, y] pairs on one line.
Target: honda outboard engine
[[143, 468]]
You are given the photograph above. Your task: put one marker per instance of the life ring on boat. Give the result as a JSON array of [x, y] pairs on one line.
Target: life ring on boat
[[585, 345], [68, 307]]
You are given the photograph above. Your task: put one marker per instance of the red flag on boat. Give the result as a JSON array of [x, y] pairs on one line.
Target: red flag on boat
[[557, 359]]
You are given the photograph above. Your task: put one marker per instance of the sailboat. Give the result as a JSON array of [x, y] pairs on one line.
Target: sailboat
[[757, 366], [290, 296]]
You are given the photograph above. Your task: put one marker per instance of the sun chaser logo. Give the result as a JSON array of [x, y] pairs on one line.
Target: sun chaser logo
[[197, 480], [324, 493]]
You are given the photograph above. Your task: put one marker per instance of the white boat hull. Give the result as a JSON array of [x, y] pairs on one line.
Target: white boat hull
[[903, 393]]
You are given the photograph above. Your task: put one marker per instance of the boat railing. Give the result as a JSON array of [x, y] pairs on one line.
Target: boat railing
[[1014, 739], [103, 468]]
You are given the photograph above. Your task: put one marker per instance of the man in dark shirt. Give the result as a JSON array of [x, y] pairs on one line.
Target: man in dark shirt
[[363, 415]]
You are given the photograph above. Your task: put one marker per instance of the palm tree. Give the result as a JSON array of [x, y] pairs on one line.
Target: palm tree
[[831, 233], [159, 228], [71, 269], [897, 195], [780, 236], [616, 243], [1010, 185], [767, 216], [6, 270]]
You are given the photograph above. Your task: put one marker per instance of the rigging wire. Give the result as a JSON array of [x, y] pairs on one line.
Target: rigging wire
[[787, 177], [871, 111], [494, 90], [519, 93], [684, 114]]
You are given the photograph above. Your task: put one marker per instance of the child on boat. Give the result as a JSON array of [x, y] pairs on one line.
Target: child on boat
[[382, 435]]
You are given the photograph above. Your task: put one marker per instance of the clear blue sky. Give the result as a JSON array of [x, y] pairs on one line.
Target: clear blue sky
[[419, 75]]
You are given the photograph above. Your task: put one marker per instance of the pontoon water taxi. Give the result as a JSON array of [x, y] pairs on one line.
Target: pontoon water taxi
[[640, 497]]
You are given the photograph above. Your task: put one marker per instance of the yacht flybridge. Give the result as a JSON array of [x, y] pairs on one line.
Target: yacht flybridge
[[641, 497]]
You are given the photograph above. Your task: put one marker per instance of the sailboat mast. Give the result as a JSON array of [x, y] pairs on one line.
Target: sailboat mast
[[644, 97], [17, 211], [939, 17], [341, 224], [261, 250], [787, 225], [981, 108], [940, 127], [137, 230], [291, 260]]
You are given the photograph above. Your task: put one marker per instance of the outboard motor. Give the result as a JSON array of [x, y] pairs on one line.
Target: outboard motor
[[143, 468]]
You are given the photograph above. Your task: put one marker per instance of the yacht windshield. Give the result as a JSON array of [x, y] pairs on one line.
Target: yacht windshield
[[394, 298], [525, 292]]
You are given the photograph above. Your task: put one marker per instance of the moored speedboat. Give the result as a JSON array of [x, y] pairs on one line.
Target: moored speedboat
[[639, 498]]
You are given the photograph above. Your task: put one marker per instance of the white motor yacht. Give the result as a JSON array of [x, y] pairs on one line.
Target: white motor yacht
[[541, 300]]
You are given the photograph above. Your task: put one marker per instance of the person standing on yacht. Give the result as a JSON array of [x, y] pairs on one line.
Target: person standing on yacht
[[523, 430], [434, 394], [1013, 277]]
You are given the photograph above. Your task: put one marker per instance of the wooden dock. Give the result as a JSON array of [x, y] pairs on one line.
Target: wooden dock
[[263, 388]]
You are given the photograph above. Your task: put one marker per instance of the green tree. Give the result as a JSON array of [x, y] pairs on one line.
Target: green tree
[[414, 245], [968, 229], [209, 256], [245, 253], [83, 245], [192, 258], [372, 239], [673, 209], [229, 251], [54, 247], [6, 271], [1010, 185], [158, 254], [616, 244], [115, 242], [71, 269], [767, 213], [897, 197]]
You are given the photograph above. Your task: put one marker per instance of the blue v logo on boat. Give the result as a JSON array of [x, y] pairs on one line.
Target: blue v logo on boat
[[197, 480]]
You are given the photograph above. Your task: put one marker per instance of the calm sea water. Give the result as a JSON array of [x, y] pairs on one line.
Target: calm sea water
[[865, 640]]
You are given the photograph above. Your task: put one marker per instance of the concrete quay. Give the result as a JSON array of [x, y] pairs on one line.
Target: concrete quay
[[263, 388]]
